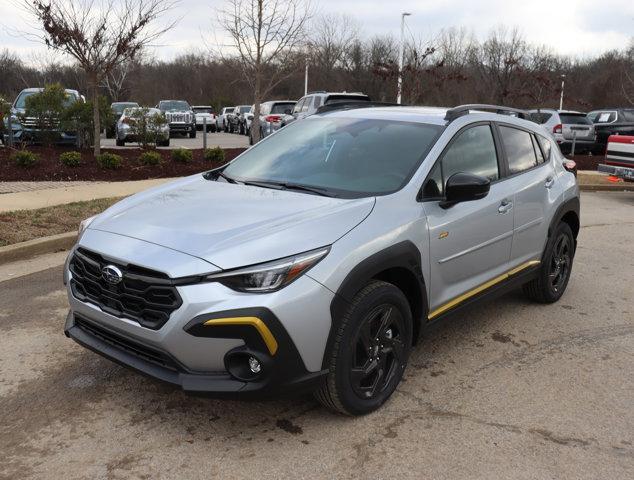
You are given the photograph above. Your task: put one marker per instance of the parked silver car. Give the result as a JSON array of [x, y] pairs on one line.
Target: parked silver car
[[309, 104], [566, 125], [272, 115], [317, 257], [138, 122]]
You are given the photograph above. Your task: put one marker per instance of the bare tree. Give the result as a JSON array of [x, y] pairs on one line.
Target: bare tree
[[266, 35], [98, 34]]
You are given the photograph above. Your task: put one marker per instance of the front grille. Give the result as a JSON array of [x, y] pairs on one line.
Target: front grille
[[129, 346], [178, 117], [145, 296]]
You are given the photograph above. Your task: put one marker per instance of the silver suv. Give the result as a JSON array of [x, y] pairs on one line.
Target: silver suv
[[272, 115], [316, 258], [309, 104], [566, 126]]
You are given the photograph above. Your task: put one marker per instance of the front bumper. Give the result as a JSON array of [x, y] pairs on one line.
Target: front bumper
[[298, 317], [284, 373], [182, 127], [35, 136]]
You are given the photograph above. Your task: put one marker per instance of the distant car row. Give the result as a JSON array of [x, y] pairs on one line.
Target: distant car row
[[589, 132]]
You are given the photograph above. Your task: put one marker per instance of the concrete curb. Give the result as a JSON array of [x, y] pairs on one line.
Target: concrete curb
[[39, 246]]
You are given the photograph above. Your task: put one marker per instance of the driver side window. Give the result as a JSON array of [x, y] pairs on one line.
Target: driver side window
[[472, 151]]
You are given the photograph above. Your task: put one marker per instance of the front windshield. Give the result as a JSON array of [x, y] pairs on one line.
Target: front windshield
[[244, 108], [120, 107], [174, 106], [348, 157], [21, 100]]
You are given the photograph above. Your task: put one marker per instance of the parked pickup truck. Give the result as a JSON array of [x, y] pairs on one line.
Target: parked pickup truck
[[26, 129], [619, 157], [180, 116], [611, 121]]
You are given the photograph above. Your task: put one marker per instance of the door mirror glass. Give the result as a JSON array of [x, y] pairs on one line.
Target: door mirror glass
[[464, 187]]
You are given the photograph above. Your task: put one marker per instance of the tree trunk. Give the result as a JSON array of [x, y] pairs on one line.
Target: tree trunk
[[94, 93]]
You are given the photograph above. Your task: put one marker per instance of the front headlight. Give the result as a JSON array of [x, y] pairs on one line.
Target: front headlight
[[83, 225], [270, 276]]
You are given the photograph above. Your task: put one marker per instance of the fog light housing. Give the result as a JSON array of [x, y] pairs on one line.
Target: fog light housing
[[246, 365]]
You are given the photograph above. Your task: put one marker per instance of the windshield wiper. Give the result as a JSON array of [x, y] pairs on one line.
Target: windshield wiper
[[226, 177], [291, 186]]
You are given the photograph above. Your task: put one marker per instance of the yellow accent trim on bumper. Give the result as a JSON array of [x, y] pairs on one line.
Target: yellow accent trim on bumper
[[255, 322], [452, 303]]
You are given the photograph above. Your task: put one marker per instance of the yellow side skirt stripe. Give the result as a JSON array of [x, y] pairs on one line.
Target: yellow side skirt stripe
[[452, 303], [255, 322]]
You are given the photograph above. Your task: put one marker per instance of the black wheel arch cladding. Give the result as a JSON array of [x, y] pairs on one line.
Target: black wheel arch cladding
[[399, 264]]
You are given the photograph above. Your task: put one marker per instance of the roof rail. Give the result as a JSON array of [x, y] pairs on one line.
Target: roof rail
[[461, 110], [352, 104], [316, 91]]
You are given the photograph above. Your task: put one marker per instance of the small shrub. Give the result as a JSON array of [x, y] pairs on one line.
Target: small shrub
[[108, 160], [150, 158], [182, 155], [215, 154], [70, 159], [25, 159]]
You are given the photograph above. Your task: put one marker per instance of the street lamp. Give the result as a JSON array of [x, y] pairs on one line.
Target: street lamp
[[561, 98], [401, 53]]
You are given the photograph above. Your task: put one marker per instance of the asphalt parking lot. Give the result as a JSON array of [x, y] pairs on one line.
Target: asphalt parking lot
[[220, 139], [513, 390]]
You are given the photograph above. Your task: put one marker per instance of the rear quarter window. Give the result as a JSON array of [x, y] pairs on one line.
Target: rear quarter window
[[519, 149]]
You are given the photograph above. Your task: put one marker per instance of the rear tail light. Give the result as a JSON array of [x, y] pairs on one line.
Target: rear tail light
[[272, 118], [557, 128]]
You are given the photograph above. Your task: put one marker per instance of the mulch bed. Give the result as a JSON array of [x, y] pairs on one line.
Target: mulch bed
[[49, 168]]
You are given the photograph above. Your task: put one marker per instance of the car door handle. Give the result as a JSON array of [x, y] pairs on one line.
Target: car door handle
[[550, 181], [505, 206]]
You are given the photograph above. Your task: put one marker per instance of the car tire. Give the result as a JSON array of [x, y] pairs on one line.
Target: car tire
[[192, 133], [250, 138], [555, 269], [120, 143], [371, 346], [110, 133]]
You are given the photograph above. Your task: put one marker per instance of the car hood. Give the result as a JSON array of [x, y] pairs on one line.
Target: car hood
[[232, 225]]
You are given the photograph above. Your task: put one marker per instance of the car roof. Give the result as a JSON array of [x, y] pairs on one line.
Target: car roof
[[40, 89], [429, 115], [201, 106]]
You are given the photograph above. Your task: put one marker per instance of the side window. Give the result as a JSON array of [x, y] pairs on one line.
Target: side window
[[546, 147], [306, 104], [519, 149], [317, 102], [538, 150], [298, 105], [472, 151]]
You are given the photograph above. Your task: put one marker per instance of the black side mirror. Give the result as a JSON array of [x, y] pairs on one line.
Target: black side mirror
[[287, 111], [464, 187]]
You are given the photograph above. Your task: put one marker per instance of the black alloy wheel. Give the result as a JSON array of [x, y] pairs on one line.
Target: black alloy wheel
[[378, 352]]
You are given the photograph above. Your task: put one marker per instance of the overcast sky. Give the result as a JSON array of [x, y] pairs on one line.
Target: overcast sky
[[576, 27]]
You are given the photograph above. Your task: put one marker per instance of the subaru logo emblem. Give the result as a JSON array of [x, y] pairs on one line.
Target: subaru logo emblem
[[111, 274]]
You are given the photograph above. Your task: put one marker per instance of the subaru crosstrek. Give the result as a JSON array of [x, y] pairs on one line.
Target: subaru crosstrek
[[317, 257]]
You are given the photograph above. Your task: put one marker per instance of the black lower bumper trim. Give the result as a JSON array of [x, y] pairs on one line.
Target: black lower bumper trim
[[126, 353]]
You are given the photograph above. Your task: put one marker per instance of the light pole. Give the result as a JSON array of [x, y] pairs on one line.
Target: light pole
[[561, 98], [306, 77], [401, 53]]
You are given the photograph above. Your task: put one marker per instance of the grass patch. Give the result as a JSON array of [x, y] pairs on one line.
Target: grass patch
[[22, 225]]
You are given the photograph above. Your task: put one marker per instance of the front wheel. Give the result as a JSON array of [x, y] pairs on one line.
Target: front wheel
[[370, 351], [556, 267], [192, 133]]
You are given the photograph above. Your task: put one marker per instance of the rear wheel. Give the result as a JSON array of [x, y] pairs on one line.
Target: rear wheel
[[370, 351], [192, 133], [556, 267], [120, 143]]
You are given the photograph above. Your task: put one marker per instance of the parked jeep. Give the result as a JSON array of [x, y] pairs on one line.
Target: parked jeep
[[233, 118], [26, 129], [180, 116]]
